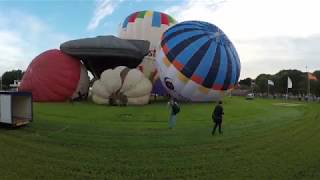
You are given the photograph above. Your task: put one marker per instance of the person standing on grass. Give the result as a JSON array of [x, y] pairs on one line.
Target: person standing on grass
[[174, 109], [217, 117]]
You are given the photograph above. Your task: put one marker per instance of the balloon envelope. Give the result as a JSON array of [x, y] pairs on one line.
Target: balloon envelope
[[197, 61], [54, 76], [105, 52], [121, 86], [146, 25]]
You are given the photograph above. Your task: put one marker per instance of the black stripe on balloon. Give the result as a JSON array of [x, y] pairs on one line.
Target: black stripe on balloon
[[195, 60], [192, 23], [228, 76], [212, 74], [175, 51], [187, 24], [236, 59], [176, 33]]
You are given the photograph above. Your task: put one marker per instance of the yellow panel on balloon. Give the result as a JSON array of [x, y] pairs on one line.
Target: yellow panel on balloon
[[148, 13], [166, 61], [204, 89], [182, 78]]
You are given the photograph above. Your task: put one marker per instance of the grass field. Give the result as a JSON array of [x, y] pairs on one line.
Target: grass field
[[263, 139]]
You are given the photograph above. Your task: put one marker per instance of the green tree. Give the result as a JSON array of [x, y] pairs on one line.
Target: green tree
[[245, 83], [298, 81], [9, 77], [262, 83]]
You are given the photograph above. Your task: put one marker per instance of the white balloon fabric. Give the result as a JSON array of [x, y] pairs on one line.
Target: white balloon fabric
[[83, 85], [146, 25], [121, 86]]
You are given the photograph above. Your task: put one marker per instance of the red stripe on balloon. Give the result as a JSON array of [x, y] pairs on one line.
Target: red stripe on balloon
[[165, 49], [164, 19], [178, 65], [133, 17], [217, 87], [197, 79]]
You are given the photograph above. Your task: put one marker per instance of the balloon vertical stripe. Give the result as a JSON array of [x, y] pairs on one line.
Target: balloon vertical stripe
[[174, 52], [234, 66], [185, 56], [229, 72], [182, 37], [141, 14], [164, 19], [156, 19], [212, 74], [176, 33], [236, 57], [194, 61], [133, 17], [204, 67], [221, 75], [171, 20], [125, 23], [148, 14]]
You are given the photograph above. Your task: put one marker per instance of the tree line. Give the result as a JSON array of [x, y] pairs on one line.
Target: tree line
[[299, 83], [258, 85], [8, 78]]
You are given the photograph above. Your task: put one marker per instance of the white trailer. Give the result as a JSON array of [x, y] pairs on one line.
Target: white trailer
[[15, 108]]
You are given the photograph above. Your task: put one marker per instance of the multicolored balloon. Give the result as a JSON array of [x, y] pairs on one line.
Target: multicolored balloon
[[146, 25], [197, 61]]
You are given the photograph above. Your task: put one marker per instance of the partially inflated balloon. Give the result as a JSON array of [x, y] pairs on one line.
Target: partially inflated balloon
[[121, 86], [197, 61], [146, 25], [54, 76]]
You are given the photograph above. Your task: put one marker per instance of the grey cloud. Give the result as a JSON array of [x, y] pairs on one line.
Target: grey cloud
[[274, 54]]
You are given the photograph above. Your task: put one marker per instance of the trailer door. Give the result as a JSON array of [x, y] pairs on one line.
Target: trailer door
[[5, 109]]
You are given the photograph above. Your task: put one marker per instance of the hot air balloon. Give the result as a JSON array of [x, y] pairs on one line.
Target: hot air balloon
[[146, 25], [121, 86], [54, 76], [106, 52], [197, 61]]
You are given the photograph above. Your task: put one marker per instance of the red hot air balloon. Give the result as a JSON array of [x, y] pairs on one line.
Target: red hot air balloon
[[54, 76]]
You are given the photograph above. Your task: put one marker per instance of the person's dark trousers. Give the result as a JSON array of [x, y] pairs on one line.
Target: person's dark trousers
[[217, 124]]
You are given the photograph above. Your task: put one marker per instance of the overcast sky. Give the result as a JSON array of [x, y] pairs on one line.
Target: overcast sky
[[269, 35]]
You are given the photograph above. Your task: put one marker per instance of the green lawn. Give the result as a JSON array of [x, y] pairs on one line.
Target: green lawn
[[261, 140]]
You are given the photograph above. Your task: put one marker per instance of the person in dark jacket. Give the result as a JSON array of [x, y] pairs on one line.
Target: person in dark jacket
[[217, 117], [173, 111]]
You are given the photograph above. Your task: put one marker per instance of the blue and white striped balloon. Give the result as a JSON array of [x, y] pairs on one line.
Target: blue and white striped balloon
[[197, 61]]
